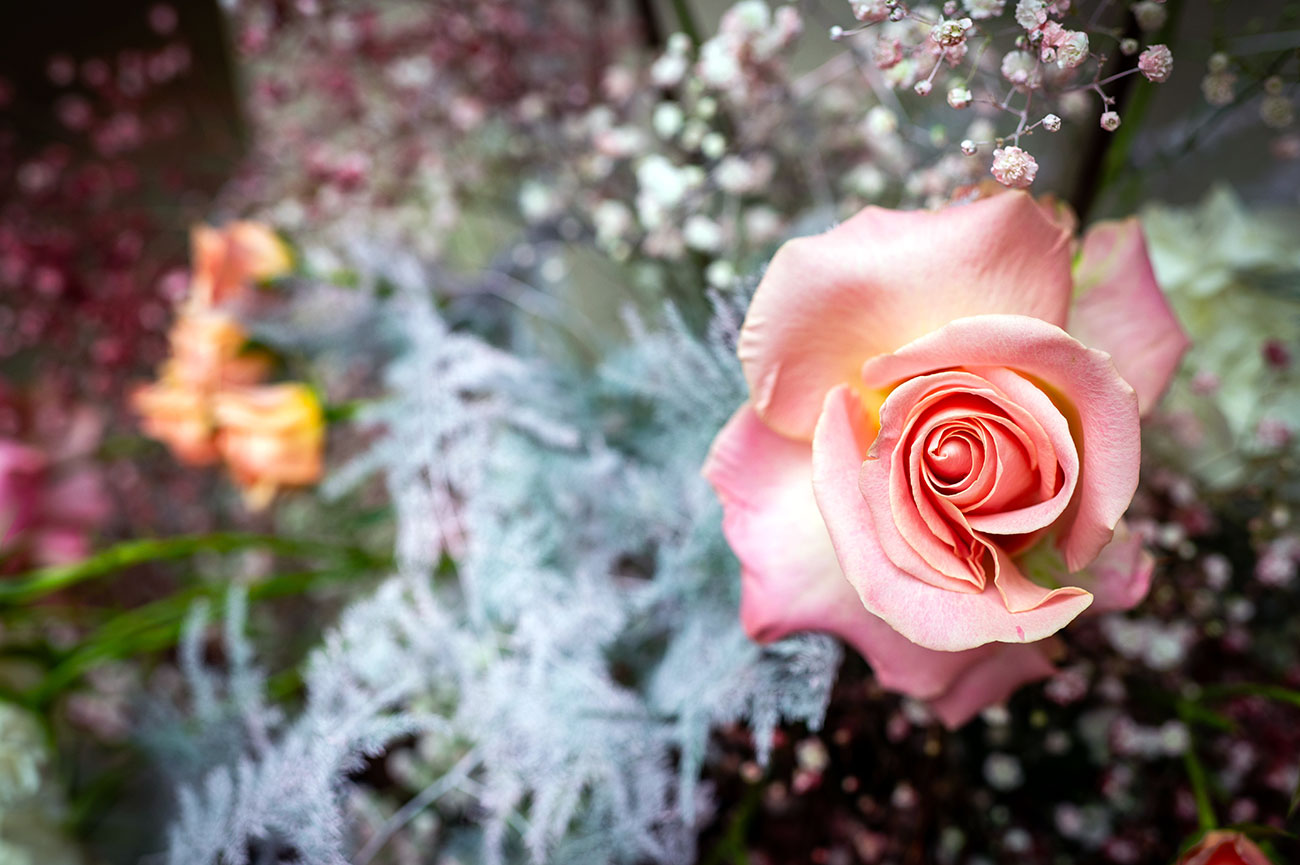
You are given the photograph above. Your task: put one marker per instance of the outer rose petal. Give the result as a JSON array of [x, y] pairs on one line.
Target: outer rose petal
[[928, 616], [791, 580], [1121, 575], [992, 680], [1121, 310], [884, 278], [1106, 424]]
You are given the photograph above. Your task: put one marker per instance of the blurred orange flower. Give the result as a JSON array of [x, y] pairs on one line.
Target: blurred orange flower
[[206, 355], [227, 260], [207, 352], [179, 416], [270, 436], [208, 403]]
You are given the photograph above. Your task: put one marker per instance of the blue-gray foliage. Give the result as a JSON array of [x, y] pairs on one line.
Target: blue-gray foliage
[[583, 650]]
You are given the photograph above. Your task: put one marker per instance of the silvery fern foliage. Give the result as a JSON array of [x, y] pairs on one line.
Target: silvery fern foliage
[[587, 644], [283, 791]]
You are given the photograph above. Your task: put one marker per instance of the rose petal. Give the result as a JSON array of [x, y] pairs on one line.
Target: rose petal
[[928, 616], [1121, 575], [1105, 424], [1019, 593], [1052, 440], [1120, 309], [992, 680], [928, 536], [828, 303], [790, 578]]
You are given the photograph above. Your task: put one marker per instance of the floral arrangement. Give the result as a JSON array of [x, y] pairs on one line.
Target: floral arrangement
[[834, 432]]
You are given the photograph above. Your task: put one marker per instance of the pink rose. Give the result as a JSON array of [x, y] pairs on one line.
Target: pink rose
[[929, 438]]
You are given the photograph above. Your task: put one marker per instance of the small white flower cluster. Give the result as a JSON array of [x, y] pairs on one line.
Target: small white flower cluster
[[960, 46], [708, 152]]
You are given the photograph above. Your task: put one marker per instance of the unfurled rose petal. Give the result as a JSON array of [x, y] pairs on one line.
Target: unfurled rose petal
[[1102, 406], [884, 278], [1120, 309], [994, 678], [270, 436], [932, 617], [791, 580], [1121, 574], [1225, 847]]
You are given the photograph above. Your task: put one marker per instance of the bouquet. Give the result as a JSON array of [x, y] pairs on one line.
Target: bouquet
[[565, 432]]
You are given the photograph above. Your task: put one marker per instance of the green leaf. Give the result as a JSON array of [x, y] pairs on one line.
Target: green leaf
[[1252, 689], [37, 584], [157, 626]]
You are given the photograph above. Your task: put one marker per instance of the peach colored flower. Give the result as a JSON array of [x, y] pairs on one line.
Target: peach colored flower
[[208, 352], [1225, 847], [270, 436], [227, 260], [927, 441], [180, 416]]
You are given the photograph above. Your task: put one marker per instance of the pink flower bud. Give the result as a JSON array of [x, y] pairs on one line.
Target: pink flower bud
[[1156, 63], [1014, 167]]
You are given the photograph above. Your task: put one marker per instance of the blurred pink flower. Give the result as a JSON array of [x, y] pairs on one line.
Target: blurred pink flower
[[48, 510]]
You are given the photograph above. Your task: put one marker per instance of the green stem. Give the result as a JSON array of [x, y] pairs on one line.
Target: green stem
[[157, 626], [1200, 789], [45, 581], [1251, 689], [686, 21]]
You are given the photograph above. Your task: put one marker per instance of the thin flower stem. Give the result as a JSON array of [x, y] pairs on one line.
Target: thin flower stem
[[1205, 816], [453, 779], [686, 21], [39, 583]]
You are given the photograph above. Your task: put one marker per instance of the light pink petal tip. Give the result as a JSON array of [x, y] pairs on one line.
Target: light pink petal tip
[[1101, 406], [995, 678], [931, 617], [884, 278], [1120, 309]]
